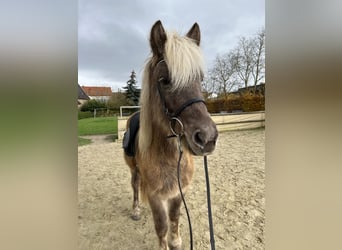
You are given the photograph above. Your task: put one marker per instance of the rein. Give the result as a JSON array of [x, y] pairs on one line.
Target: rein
[[211, 228], [174, 117]]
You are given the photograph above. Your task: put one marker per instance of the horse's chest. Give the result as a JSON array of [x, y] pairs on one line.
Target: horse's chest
[[164, 179]]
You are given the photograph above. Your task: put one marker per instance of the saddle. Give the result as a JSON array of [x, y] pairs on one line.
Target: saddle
[[128, 142]]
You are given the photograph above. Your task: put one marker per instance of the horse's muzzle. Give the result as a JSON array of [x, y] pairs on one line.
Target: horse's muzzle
[[204, 140]]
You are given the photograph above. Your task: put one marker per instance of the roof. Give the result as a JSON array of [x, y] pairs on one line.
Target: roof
[[81, 94], [259, 86], [97, 91]]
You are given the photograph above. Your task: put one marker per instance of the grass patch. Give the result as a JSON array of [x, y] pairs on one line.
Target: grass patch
[[83, 141], [98, 126], [83, 115]]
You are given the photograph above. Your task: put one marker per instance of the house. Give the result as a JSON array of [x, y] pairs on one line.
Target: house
[[252, 90], [82, 97], [98, 93], [258, 90]]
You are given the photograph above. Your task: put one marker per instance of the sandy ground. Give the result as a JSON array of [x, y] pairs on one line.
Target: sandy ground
[[237, 181]]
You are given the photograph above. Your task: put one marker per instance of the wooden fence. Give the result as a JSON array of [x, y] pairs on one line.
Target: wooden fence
[[224, 122]]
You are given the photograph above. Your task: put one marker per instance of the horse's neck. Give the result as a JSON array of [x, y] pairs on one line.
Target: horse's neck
[[155, 129], [161, 140]]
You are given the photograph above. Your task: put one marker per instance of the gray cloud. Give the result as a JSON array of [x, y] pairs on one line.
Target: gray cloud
[[113, 35]]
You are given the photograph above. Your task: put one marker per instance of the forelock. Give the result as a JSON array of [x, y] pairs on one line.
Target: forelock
[[184, 60]]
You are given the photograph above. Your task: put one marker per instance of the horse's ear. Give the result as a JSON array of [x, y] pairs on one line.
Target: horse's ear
[[195, 34], [158, 39]]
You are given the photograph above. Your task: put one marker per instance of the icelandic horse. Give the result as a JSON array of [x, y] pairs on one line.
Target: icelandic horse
[[171, 102]]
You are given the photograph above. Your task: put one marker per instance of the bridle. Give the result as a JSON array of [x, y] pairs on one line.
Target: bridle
[[174, 116]]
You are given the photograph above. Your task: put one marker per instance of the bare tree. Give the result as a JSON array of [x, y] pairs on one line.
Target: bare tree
[[245, 59], [258, 71], [221, 77], [209, 86], [245, 65]]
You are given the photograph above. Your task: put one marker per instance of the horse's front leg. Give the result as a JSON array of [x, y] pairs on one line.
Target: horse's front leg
[[159, 212], [135, 181], [175, 241]]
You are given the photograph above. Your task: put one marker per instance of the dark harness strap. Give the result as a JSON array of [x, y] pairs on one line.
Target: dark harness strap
[[185, 105], [181, 108]]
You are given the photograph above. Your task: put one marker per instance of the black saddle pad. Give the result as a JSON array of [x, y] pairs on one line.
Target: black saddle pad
[[128, 142]]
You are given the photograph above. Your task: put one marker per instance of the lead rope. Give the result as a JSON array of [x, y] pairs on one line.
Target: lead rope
[[211, 228], [180, 189]]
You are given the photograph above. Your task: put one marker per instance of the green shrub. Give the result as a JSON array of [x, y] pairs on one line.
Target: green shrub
[[93, 104], [106, 113]]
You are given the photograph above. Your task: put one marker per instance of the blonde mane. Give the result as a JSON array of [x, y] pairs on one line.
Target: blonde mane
[[145, 134], [185, 63], [184, 59]]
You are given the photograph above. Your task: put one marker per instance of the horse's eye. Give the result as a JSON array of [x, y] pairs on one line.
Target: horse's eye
[[163, 81]]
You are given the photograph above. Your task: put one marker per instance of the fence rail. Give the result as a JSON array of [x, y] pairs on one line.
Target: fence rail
[[224, 122], [239, 122], [127, 107]]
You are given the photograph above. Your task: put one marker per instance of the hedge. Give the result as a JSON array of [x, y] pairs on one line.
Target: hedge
[[245, 103]]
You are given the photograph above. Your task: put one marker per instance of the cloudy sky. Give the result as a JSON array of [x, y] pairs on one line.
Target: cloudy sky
[[113, 34]]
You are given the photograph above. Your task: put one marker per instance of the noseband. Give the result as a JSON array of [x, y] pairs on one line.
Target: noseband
[[174, 116]]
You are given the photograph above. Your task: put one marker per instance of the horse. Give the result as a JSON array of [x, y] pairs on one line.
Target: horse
[[171, 104]]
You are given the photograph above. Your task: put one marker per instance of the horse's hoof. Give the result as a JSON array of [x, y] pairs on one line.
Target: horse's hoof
[[176, 248], [135, 217], [176, 245]]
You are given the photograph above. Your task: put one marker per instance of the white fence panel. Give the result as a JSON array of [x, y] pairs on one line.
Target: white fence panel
[[224, 122]]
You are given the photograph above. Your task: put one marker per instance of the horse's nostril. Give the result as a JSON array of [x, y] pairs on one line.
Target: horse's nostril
[[199, 138]]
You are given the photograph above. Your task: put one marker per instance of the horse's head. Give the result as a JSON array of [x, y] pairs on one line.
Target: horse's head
[[176, 72]]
